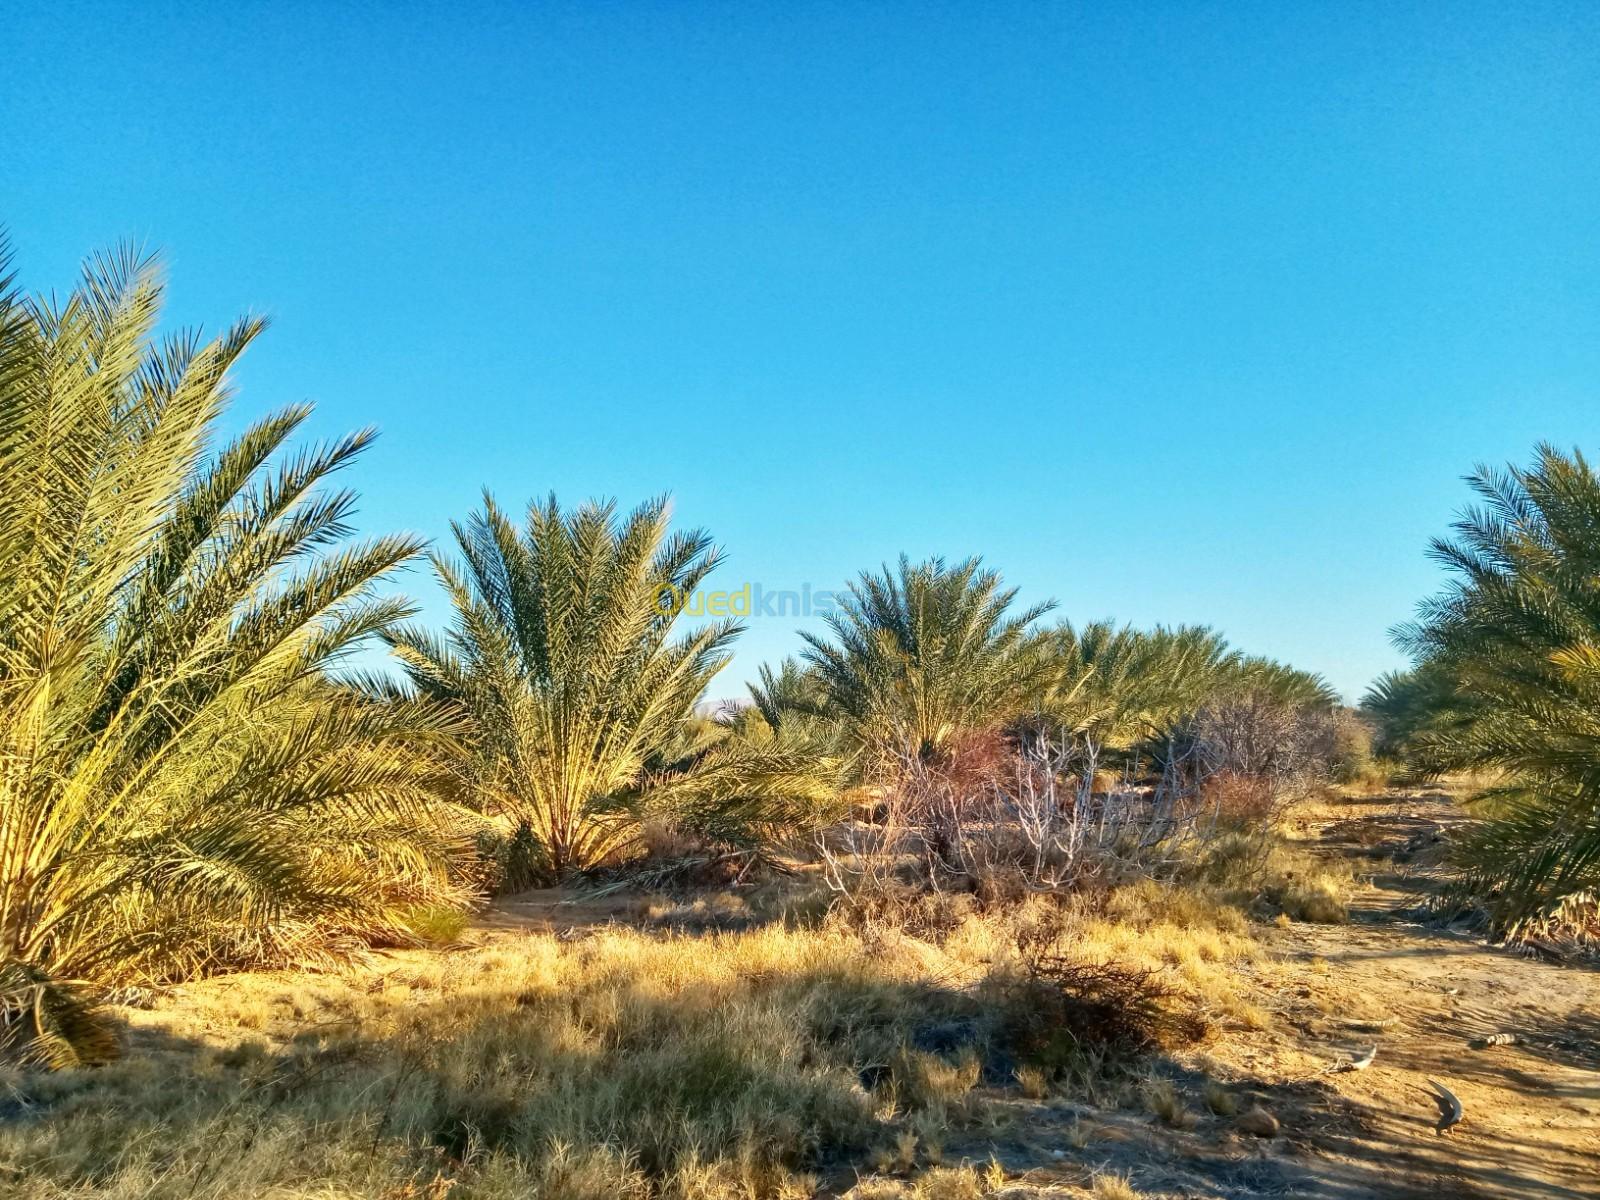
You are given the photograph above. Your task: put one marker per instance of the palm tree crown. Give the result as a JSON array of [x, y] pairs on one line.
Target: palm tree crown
[[177, 768], [925, 652], [567, 654]]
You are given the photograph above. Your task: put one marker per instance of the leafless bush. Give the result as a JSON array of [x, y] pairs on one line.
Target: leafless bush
[[1282, 748], [1001, 819], [1066, 1006]]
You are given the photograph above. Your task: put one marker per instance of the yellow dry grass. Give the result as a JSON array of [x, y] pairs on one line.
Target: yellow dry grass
[[627, 1064]]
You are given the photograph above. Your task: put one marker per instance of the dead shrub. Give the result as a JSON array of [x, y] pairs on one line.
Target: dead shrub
[[1067, 1009], [1002, 820], [1253, 733], [1240, 800]]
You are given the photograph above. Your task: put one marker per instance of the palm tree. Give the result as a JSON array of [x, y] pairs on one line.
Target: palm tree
[[922, 654], [181, 778], [1279, 683], [1402, 704], [566, 656], [1509, 675], [1118, 685]]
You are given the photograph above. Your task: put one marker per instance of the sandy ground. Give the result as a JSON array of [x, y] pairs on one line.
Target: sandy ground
[[1532, 1108]]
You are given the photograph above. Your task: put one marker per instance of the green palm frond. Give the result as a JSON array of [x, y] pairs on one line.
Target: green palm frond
[[1508, 678], [1279, 681], [918, 655], [1120, 684], [173, 753]]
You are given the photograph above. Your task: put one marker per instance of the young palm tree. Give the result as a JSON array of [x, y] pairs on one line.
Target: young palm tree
[[179, 775], [1509, 667], [925, 653], [565, 655]]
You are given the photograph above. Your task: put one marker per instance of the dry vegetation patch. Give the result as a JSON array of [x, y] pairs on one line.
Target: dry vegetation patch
[[625, 1063], [1151, 1040]]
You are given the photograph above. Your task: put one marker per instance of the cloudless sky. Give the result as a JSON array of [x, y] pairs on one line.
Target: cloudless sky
[[1174, 312]]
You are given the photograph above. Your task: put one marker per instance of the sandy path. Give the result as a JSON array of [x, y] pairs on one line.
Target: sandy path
[[1532, 1123], [1420, 993]]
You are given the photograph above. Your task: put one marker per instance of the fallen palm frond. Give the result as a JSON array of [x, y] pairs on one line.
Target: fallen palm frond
[[1360, 1062], [49, 1022], [1450, 1110]]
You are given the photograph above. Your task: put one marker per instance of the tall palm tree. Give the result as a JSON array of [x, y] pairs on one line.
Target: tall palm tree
[[1509, 665], [926, 652], [179, 773], [566, 654]]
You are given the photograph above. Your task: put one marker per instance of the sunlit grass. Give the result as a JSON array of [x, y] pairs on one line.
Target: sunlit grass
[[624, 1064]]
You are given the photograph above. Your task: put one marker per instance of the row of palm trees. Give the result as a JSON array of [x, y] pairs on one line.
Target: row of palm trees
[[193, 773], [915, 657]]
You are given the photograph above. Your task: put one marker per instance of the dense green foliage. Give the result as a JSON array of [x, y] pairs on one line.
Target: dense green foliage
[[567, 657], [1124, 685], [920, 654]]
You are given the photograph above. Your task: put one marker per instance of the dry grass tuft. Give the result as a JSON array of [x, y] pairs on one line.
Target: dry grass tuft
[[938, 1183], [1079, 1133], [1033, 1083], [1166, 1103], [1110, 1186], [1220, 1100], [1261, 870]]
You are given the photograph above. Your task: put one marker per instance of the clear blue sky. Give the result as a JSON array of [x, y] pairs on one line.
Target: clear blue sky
[[1174, 312]]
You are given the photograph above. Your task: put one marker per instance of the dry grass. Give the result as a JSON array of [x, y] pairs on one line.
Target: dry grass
[[1220, 1099], [627, 1064], [1196, 940], [1033, 1082], [964, 1182], [1167, 1104], [1263, 871], [1113, 1187]]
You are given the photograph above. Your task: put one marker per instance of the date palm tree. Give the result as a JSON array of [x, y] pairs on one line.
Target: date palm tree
[[1401, 705], [1118, 684], [1509, 673], [182, 780], [567, 656], [921, 654]]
